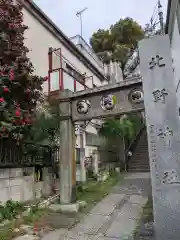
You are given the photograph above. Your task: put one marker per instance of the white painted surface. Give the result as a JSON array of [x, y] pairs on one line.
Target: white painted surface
[[15, 186], [38, 39]]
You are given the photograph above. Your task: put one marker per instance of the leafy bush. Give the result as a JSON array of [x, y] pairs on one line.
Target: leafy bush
[[10, 209]]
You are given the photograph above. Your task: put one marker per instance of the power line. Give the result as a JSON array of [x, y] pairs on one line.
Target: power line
[[155, 20], [160, 13]]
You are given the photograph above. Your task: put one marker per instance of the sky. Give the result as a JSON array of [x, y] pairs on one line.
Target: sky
[[99, 15]]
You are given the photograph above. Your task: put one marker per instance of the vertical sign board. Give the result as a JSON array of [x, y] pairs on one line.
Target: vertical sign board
[[163, 134]]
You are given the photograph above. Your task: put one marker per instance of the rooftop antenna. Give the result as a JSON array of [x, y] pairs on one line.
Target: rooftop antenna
[[79, 14], [160, 13]]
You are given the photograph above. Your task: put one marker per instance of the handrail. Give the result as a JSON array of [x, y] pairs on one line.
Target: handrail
[[133, 144], [136, 138]]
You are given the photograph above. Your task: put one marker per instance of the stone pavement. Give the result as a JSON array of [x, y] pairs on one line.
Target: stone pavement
[[115, 217]]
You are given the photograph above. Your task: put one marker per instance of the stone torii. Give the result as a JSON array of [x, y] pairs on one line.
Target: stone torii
[[155, 93]]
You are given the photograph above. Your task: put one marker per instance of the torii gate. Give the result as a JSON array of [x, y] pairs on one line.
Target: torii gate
[[162, 127]]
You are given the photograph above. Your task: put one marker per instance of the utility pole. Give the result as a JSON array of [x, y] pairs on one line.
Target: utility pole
[[160, 13], [79, 14]]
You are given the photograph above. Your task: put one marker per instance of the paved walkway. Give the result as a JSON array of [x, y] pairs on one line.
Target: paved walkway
[[115, 217]]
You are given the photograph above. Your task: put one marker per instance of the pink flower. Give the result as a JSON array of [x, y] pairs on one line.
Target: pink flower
[[6, 89], [18, 113], [46, 78]]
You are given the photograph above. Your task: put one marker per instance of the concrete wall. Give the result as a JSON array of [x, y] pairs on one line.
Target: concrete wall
[[14, 185]]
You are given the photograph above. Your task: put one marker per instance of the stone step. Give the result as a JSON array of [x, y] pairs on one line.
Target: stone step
[[139, 163], [139, 166], [139, 160], [142, 158], [133, 167], [138, 170], [140, 152]]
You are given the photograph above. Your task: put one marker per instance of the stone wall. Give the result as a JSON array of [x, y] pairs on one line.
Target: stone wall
[[19, 184]]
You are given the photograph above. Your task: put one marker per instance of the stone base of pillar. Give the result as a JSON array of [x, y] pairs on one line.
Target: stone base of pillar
[[68, 208]]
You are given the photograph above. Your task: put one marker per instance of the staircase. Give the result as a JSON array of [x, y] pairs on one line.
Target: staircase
[[139, 161]]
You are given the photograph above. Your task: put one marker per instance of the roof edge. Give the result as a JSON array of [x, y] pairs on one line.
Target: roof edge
[[33, 9]]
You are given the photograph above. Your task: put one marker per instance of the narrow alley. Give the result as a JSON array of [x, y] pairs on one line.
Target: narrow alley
[[115, 217]]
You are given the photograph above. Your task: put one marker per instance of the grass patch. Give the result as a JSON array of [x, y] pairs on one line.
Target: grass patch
[[147, 214], [34, 216], [7, 231], [93, 191]]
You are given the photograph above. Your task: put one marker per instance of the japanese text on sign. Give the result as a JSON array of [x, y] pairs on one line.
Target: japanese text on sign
[[156, 61], [171, 177], [166, 134], [159, 95], [152, 143]]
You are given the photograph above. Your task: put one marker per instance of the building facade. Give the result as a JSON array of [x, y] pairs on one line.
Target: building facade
[[69, 63]]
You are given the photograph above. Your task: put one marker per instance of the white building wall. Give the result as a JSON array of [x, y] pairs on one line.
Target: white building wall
[[38, 39]]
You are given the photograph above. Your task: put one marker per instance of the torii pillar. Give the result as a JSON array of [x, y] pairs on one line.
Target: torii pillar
[[67, 150]]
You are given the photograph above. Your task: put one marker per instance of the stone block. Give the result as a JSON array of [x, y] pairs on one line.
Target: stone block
[[38, 189], [74, 208], [136, 199], [4, 183], [4, 173], [113, 199], [28, 185], [82, 204], [15, 172], [15, 182], [121, 229], [145, 175], [103, 209], [5, 195], [16, 193], [28, 171], [91, 224], [129, 211]]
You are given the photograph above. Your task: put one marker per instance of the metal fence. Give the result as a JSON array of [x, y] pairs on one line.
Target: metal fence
[[26, 155]]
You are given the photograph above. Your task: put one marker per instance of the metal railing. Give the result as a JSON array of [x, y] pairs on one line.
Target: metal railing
[[26, 155], [78, 40], [133, 145]]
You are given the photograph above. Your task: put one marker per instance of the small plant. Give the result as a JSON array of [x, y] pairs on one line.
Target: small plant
[[34, 209], [10, 209]]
